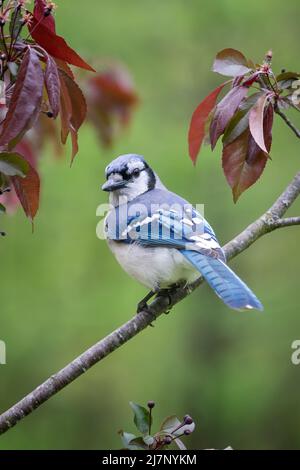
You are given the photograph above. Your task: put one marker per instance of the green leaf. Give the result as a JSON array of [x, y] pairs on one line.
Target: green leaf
[[126, 438], [287, 76], [13, 68], [293, 99], [14, 25], [138, 443], [240, 120], [13, 164], [142, 418], [237, 125], [179, 444], [286, 80], [231, 62], [148, 440], [2, 208], [169, 424], [2, 180]]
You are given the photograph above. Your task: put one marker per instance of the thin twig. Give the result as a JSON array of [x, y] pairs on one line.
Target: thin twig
[[266, 223], [287, 121]]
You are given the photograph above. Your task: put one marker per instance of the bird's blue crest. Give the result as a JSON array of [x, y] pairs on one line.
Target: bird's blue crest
[[120, 163]]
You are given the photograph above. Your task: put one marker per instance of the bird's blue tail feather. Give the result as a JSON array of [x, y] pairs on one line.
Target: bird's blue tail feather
[[227, 285]]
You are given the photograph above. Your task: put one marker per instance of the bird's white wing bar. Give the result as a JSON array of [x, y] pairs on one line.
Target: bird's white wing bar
[[170, 228]]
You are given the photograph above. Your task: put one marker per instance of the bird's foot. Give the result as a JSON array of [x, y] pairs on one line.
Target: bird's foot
[[167, 293], [142, 306]]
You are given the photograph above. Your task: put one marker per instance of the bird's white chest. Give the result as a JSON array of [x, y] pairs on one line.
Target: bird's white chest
[[155, 267]]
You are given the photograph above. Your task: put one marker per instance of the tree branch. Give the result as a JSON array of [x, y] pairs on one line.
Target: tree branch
[[286, 222], [269, 221], [287, 121]]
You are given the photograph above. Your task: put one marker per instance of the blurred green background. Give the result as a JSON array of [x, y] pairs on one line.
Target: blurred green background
[[61, 289]]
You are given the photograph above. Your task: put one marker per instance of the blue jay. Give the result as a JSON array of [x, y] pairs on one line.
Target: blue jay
[[161, 240]]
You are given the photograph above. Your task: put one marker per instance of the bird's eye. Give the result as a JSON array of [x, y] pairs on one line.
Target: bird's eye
[[136, 172]]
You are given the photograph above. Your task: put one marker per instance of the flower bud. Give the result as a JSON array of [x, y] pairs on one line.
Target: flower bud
[[151, 404], [188, 420], [167, 440]]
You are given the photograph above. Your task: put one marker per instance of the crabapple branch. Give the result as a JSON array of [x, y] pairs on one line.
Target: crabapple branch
[[287, 222], [269, 221], [287, 121]]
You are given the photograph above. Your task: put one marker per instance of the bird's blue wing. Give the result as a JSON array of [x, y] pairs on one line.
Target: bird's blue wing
[[167, 227]]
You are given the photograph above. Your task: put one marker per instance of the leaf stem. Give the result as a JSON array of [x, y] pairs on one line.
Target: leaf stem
[[150, 421], [270, 83], [3, 39], [14, 37]]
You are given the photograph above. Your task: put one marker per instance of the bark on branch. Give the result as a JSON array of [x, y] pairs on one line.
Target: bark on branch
[[269, 221]]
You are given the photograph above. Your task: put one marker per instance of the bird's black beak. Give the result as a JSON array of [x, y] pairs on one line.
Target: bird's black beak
[[111, 184]]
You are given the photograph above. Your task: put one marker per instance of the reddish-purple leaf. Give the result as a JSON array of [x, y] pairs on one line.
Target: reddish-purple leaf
[[28, 188], [26, 150], [253, 148], [225, 111], [256, 121], [28, 191], [47, 131], [25, 103], [197, 124], [236, 126], [243, 160], [13, 164], [231, 62], [56, 45], [111, 99], [39, 9], [240, 120], [62, 65], [73, 110], [52, 85]]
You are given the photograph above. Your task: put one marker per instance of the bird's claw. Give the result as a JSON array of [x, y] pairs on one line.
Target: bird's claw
[[166, 293], [144, 307]]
